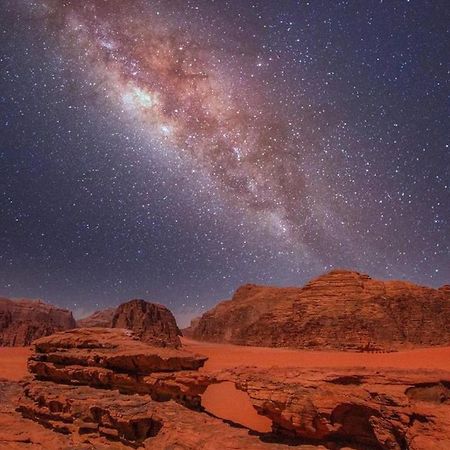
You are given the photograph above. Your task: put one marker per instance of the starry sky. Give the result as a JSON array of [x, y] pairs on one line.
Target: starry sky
[[174, 150]]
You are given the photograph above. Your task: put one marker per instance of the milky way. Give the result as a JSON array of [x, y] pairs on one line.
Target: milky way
[[178, 90], [221, 143]]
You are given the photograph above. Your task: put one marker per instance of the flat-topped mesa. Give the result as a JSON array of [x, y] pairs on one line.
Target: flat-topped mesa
[[23, 321], [151, 322], [341, 310]]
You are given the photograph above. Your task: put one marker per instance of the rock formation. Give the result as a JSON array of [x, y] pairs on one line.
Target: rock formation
[[340, 310], [151, 322], [102, 318], [353, 408], [22, 321], [116, 359], [109, 420], [150, 398], [63, 398]]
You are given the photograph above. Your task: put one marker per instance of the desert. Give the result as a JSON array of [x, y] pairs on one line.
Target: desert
[[128, 378], [224, 225]]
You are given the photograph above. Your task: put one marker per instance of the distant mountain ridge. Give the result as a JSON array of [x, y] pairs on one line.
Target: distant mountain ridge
[[342, 310], [23, 321], [102, 318]]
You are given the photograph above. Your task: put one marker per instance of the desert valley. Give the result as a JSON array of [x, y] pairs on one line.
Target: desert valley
[[346, 362], [224, 225]]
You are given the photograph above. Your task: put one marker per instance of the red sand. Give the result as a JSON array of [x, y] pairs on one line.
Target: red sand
[[225, 401], [13, 362], [227, 355]]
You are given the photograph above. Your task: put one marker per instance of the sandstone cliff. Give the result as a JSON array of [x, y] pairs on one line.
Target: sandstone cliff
[[23, 321], [340, 310]]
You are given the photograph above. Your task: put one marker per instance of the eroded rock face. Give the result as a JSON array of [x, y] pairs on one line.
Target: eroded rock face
[[115, 359], [365, 408], [151, 322], [69, 366], [23, 321], [111, 348], [145, 391], [102, 318], [108, 419], [340, 310]]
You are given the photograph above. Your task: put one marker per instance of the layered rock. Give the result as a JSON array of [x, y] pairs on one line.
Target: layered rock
[[340, 310], [49, 416], [68, 366], [102, 318], [17, 433], [107, 419], [116, 349], [151, 322], [145, 391], [361, 408], [116, 359], [23, 321]]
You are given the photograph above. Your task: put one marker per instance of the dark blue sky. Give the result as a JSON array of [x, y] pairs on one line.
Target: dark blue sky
[[175, 150]]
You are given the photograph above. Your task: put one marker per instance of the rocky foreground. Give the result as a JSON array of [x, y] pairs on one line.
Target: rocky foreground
[[341, 310], [105, 389]]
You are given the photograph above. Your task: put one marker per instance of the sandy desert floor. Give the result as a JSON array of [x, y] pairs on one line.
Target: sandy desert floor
[[227, 402], [13, 362], [224, 355], [222, 400]]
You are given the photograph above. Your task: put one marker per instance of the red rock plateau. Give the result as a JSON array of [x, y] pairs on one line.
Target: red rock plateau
[[22, 321], [340, 310]]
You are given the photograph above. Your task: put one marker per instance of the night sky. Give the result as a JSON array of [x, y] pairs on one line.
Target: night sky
[[172, 150]]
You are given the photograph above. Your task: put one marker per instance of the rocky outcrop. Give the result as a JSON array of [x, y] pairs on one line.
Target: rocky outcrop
[[150, 398], [49, 416], [151, 322], [23, 321], [356, 407], [69, 366], [109, 420], [102, 318], [116, 359], [340, 310]]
